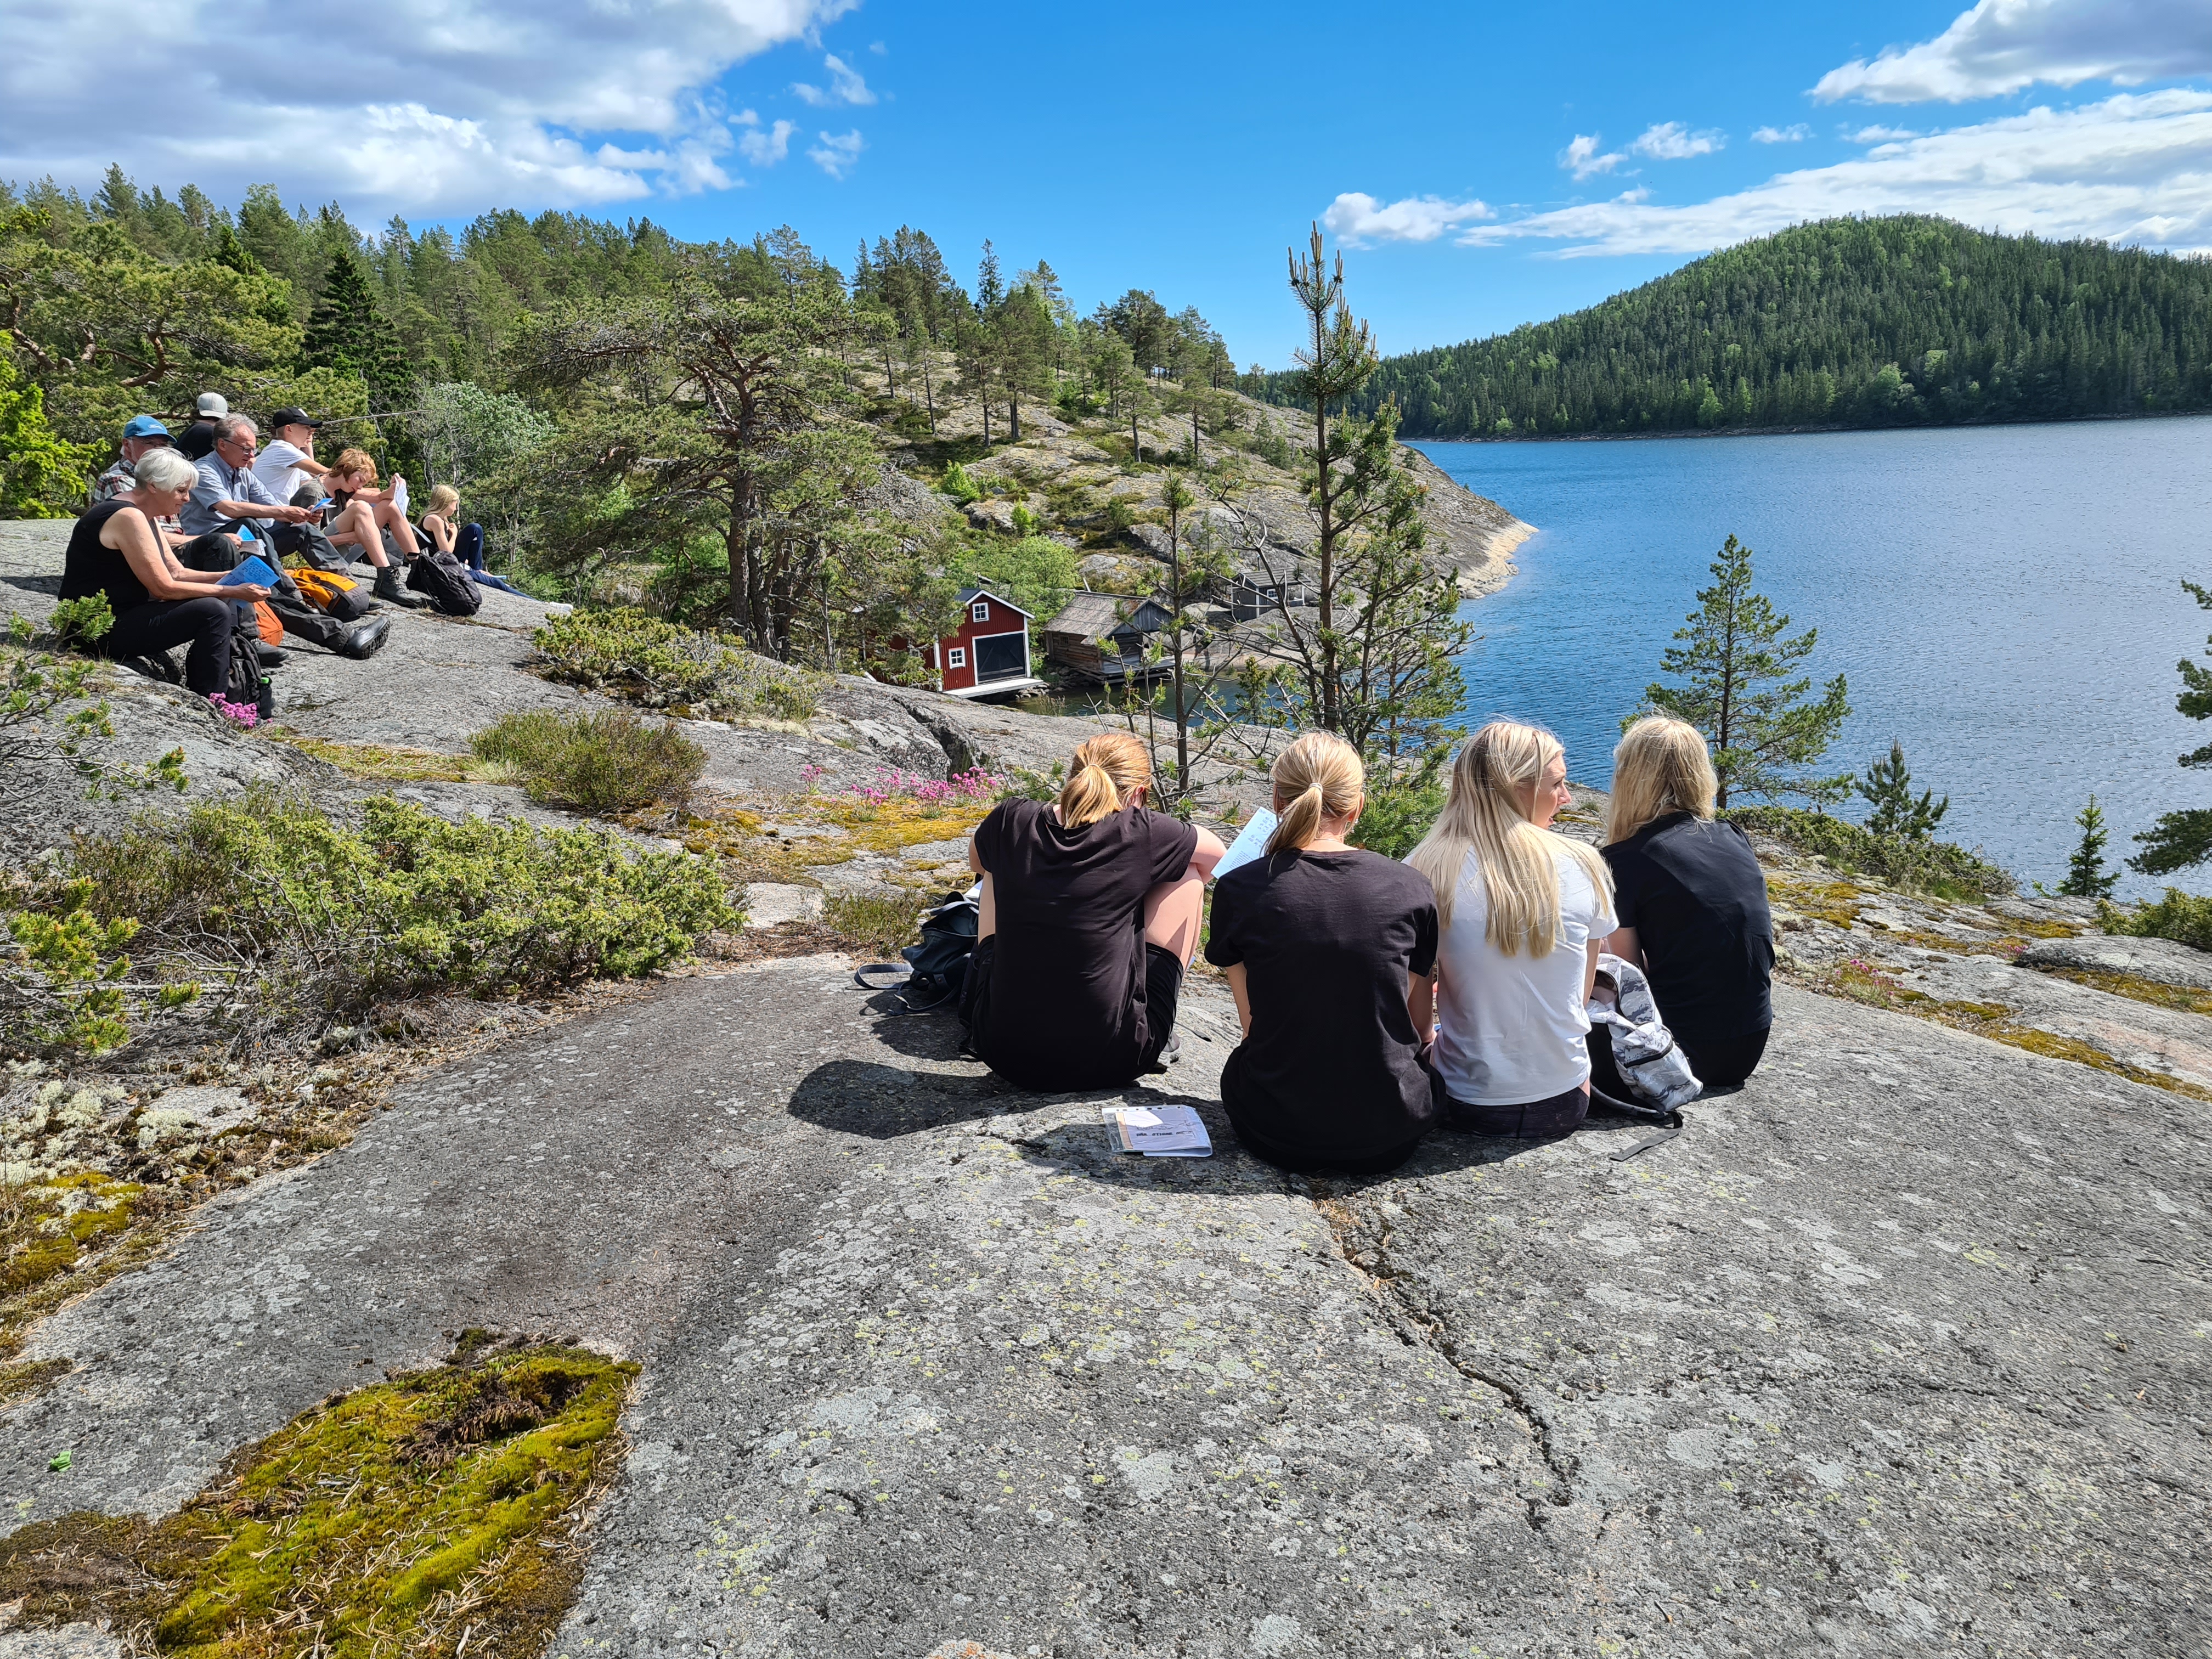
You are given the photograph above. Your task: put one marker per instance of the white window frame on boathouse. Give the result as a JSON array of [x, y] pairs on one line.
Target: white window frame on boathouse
[[980, 612], [956, 656]]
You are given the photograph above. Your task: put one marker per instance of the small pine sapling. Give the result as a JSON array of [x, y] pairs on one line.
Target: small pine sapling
[[2086, 876], [1887, 786]]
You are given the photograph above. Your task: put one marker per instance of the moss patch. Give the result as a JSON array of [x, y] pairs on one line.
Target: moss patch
[[1862, 982], [1835, 902], [46, 1225], [387, 764], [409, 1516], [2186, 998]]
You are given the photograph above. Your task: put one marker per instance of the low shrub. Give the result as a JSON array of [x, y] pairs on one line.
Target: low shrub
[[2185, 917], [305, 917], [880, 924], [628, 654], [1938, 867], [608, 762], [957, 484], [1398, 815]]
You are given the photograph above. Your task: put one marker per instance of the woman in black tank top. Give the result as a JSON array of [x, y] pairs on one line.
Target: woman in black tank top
[[116, 551]]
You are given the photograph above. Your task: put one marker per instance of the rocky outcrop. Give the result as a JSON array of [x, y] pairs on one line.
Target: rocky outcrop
[[1066, 475], [1877, 1356]]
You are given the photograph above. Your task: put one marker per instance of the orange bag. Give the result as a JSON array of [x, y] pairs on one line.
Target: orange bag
[[266, 625]]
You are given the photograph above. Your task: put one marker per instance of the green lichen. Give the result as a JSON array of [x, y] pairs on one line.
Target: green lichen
[[2184, 998], [408, 1516]]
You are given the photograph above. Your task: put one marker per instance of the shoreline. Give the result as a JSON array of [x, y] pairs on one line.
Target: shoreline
[[1802, 431]]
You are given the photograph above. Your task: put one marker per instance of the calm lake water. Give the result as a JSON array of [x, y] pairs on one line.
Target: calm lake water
[[2007, 601]]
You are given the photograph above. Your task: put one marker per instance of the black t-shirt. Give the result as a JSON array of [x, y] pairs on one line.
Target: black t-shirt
[[1692, 889], [1067, 1007], [1332, 1068], [87, 567], [199, 442]]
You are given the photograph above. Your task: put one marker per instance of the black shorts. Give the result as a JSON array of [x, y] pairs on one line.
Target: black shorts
[[1162, 994]]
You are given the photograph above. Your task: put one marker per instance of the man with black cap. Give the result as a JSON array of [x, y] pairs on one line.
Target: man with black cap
[[141, 434], [289, 465], [199, 436]]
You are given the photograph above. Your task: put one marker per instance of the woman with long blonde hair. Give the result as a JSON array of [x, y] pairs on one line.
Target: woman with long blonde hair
[[1328, 950], [1091, 911], [1523, 914], [1691, 902]]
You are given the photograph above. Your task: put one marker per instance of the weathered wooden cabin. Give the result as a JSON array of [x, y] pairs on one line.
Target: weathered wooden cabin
[[1103, 637]]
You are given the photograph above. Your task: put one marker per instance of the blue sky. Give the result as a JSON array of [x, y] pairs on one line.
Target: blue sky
[[1482, 166]]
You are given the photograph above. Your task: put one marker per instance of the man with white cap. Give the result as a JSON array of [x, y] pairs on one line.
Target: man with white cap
[[199, 436]]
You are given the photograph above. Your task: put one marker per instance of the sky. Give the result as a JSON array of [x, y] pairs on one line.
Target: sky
[[1478, 165]]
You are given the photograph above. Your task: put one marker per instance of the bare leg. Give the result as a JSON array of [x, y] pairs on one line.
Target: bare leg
[[390, 518], [356, 526], [1173, 912], [987, 912]]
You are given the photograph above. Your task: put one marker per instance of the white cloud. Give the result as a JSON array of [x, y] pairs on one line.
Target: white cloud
[[846, 86], [835, 154], [1670, 141], [765, 149], [1581, 157], [1879, 134], [1360, 221], [2002, 46], [1796, 132], [570, 102], [2135, 169]]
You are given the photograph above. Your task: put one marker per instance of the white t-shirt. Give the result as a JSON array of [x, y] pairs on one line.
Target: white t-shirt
[[278, 466], [1511, 1029]]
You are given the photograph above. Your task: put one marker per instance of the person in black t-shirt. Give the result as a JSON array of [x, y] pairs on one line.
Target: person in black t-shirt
[[117, 550], [1091, 911], [1331, 951], [1692, 901]]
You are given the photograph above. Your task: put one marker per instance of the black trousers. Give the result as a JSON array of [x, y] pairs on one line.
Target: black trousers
[[206, 624], [218, 551]]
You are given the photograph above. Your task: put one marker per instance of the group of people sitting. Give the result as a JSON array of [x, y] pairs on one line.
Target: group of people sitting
[[172, 516], [1378, 999]]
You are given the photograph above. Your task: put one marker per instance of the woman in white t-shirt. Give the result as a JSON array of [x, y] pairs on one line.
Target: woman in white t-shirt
[[1522, 913]]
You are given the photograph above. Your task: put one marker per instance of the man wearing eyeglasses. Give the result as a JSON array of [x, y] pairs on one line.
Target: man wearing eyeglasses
[[229, 497]]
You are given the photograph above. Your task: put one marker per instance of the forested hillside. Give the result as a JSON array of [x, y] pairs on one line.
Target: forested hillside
[[1850, 322]]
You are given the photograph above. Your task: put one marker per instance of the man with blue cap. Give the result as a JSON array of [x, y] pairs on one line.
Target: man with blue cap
[[140, 434]]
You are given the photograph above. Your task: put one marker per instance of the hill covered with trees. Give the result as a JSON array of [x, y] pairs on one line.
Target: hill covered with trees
[[1903, 321]]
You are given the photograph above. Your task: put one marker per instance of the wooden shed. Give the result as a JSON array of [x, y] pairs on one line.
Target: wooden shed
[[989, 655], [1103, 636]]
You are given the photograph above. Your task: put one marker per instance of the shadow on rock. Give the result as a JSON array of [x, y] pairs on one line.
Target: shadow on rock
[[933, 1034], [48, 586], [858, 1097]]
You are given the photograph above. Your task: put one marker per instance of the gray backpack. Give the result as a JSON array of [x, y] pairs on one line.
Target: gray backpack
[[1643, 1049]]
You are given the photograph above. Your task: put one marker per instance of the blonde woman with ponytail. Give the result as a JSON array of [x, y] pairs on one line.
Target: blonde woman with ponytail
[[1523, 914], [1328, 950], [1091, 911], [1692, 901]]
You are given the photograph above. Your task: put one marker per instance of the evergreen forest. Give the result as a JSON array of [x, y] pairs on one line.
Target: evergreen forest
[[1881, 322]]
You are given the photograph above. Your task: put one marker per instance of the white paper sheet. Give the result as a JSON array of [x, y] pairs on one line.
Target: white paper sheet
[[1159, 1130], [1250, 843]]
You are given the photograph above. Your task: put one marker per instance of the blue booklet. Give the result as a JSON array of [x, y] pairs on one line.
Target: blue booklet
[[253, 568]]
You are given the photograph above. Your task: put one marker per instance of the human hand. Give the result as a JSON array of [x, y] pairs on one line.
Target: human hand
[[295, 515], [246, 591]]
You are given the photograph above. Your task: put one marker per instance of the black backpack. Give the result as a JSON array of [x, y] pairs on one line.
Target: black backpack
[[442, 578], [245, 680], [936, 969]]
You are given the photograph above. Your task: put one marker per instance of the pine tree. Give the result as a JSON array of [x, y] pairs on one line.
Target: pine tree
[[1887, 786], [2085, 874], [347, 331], [2180, 839], [1737, 690]]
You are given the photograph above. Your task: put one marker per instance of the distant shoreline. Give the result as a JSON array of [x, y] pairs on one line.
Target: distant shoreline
[[1796, 431]]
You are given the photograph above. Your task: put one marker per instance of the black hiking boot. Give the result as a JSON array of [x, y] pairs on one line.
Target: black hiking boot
[[388, 589], [362, 641]]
